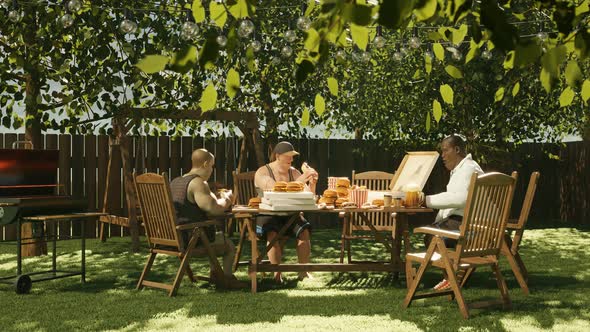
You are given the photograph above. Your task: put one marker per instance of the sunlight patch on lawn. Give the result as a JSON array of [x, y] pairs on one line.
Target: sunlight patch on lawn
[[180, 320], [529, 323]]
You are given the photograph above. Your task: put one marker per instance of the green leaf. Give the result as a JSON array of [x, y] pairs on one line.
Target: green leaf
[[152, 63], [310, 7], [427, 122], [305, 117], [546, 80], [217, 13], [515, 89], [320, 104], [198, 11], [436, 110], [232, 83], [573, 74], [312, 41], [499, 95], [454, 71], [208, 98], [239, 10], [184, 60], [586, 90], [393, 14], [566, 97], [439, 51], [426, 11], [447, 93], [553, 59], [333, 86], [473, 48], [360, 35], [427, 63], [459, 34]]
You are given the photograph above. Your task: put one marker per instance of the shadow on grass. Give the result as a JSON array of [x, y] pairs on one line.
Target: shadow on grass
[[557, 262]]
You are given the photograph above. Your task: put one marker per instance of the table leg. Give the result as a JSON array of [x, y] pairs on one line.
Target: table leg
[[240, 243], [54, 246], [254, 245], [83, 245]]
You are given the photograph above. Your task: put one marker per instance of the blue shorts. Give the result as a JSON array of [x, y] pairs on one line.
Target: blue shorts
[[265, 224]]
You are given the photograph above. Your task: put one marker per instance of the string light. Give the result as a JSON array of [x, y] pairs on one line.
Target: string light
[[379, 41], [190, 29], [74, 5], [290, 36], [286, 51], [15, 15], [303, 22], [221, 41], [246, 28], [341, 55], [486, 55], [256, 45], [128, 26]]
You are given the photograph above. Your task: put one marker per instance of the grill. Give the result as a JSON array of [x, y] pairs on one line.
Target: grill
[[29, 193]]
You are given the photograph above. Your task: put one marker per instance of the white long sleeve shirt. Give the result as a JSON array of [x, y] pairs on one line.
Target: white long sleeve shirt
[[452, 202]]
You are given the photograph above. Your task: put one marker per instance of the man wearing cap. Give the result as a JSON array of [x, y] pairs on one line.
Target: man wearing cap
[[280, 169]]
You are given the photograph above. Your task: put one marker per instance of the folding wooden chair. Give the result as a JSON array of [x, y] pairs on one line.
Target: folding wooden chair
[[479, 241], [164, 235], [244, 189], [373, 180], [511, 244]]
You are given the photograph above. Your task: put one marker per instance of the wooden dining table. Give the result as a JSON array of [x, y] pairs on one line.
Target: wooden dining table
[[247, 217]]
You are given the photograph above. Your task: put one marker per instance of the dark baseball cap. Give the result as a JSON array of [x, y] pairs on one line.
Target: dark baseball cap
[[285, 148]]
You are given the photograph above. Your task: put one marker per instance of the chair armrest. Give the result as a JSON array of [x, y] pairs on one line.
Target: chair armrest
[[199, 224], [512, 224], [438, 231]]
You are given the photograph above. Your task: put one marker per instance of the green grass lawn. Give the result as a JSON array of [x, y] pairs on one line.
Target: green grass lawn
[[558, 261]]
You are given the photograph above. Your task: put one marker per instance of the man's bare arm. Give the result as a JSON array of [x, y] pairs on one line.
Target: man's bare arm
[[263, 180], [206, 200]]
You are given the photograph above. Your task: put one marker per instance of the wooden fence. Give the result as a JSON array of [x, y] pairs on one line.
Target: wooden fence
[[563, 191]]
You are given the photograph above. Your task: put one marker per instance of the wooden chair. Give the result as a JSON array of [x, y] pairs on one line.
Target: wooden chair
[[373, 180], [479, 241], [164, 235], [244, 189]]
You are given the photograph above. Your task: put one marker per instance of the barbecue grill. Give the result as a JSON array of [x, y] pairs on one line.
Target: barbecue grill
[[28, 193]]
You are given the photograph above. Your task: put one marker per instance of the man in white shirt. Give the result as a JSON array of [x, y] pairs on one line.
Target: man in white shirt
[[451, 203]]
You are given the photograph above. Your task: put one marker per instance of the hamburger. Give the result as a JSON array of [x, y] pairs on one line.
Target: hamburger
[[295, 186], [343, 182], [330, 193], [378, 202], [280, 186], [342, 191], [327, 200], [254, 202], [340, 201]]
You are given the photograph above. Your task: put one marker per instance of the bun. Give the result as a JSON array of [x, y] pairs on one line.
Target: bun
[[280, 186], [330, 193], [378, 202], [254, 202], [304, 167], [340, 201], [343, 182], [327, 200], [295, 186], [342, 191]]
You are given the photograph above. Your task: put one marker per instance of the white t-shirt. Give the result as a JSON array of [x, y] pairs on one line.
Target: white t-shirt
[[452, 201]]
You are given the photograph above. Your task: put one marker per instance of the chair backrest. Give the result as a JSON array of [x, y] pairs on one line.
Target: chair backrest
[[373, 180], [158, 213], [486, 214], [244, 187], [528, 199]]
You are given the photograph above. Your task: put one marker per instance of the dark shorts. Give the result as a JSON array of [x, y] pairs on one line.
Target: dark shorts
[[265, 224], [453, 223]]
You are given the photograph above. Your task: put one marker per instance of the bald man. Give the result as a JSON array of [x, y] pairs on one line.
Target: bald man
[[194, 201]]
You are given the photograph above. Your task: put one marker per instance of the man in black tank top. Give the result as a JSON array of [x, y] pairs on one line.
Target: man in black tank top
[[280, 169], [194, 201]]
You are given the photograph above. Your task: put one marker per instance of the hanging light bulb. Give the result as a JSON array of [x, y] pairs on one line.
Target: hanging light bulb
[[457, 55], [275, 60], [398, 56], [67, 20], [74, 5], [379, 41], [341, 55], [15, 15], [246, 28], [221, 41], [127, 25], [286, 51], [428, 55], [542, 36], [290, 36], [356, 56], [5, 3], [256, 45], [189, 29], [403, 50], [486, 55], [414, 42], [365, 56], [303, 23]]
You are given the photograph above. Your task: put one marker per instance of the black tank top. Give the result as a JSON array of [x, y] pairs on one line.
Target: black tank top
[[187, 211]]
